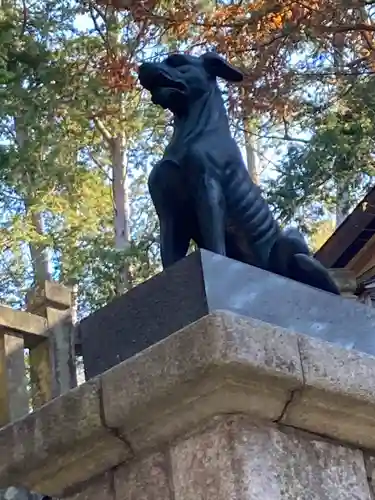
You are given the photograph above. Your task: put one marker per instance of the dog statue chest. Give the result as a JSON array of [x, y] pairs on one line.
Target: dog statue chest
[[193, 161], [167, 178]]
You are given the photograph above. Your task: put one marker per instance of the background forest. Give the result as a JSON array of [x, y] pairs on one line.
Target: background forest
[[78, 136]]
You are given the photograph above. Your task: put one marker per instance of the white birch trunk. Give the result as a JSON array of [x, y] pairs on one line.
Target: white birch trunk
[[251, 162], [121, 208]]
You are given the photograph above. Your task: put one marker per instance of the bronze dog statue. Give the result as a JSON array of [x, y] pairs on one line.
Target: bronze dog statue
[[201, 189]]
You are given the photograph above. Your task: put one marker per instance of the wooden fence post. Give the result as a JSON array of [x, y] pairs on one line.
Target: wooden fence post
[[14, 401], [52, 362]]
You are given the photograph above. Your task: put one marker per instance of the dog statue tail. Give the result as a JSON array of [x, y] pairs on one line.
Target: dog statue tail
[[293, 258]]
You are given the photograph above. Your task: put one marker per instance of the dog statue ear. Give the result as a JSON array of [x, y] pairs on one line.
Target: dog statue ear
[[216, 66]]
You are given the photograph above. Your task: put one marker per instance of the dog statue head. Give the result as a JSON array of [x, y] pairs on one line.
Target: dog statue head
[[181, 79]]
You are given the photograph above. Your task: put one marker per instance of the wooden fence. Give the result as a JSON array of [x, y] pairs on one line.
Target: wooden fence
[[46, 330]]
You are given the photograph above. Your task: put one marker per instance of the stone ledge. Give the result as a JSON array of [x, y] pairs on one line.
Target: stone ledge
[[221, 364], [338, 397], [62, 443]]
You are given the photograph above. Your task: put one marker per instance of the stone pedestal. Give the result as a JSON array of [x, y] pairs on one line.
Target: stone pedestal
[[203, 283], [228, 408]]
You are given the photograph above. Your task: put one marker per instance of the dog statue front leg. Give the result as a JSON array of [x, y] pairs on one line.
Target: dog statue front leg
[[167, 190], [174, 241], [210, 210], [209, 203]]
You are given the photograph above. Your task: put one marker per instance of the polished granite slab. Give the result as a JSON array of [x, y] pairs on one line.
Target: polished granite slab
[[204, 282]]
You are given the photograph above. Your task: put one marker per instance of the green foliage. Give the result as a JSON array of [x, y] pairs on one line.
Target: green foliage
[[339, 153], [55, 162], [68, 91], [320, 231]]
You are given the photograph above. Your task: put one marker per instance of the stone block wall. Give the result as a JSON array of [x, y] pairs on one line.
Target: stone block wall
[[228, 408], [235, 457]]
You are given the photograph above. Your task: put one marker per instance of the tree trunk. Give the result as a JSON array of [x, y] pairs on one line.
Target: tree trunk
[[342, 202], [250, 151], [38, 253], [342, 193], [121, 209], [117, 144], [249, 139]]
